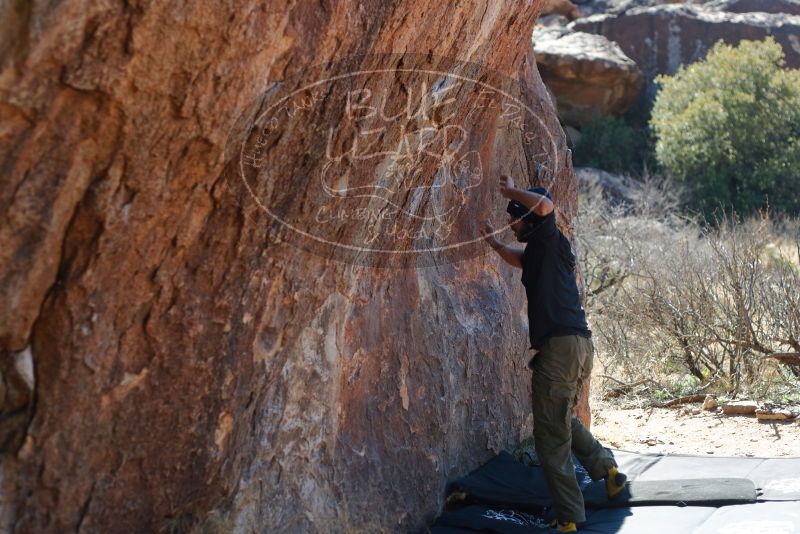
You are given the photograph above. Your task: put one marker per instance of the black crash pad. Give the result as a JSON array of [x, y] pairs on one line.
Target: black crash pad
[[783, 517], [777, 479], [491, 519], [759, 517], [695, 492], [649, 519], [503, 481]]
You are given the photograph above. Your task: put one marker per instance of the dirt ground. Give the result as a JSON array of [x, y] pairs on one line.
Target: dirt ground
[[679, 430]]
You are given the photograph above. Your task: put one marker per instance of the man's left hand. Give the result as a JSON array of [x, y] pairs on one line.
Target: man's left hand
[[506, 185]]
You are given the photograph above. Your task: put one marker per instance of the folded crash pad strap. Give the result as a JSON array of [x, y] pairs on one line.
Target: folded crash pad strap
[[690, 492]]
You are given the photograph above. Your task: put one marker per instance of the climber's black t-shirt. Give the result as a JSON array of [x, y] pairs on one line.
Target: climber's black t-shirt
[[548, 273]]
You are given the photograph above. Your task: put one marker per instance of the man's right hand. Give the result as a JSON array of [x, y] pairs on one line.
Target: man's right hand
[[512, 256], [506, 185], [488, 235]]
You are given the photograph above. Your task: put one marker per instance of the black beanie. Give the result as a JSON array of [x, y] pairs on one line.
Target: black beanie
[[519, 211]]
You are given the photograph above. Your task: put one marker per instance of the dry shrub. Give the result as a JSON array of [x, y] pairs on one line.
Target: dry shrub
[[679, 307]]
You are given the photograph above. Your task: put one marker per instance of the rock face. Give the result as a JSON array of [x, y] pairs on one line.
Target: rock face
[[791, 7], [660, 39], [565, 8], [594, 7], [710, 403], [191, 336], [775, 414], [739, 408], [588, 74]]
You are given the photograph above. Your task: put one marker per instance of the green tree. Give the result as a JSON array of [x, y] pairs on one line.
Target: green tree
[[729, 128], [613, 145]]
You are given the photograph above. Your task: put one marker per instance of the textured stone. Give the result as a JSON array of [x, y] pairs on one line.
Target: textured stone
[[774, 414], [197, 366], [739, 408], [565, 8], [594, 7], [662, 38], [791, 7], [589, 75], [552, 20]]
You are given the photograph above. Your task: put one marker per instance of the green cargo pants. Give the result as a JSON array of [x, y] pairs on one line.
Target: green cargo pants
[[559, 369]]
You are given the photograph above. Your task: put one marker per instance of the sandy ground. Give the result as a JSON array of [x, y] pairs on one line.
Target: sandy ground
[[679, 431]]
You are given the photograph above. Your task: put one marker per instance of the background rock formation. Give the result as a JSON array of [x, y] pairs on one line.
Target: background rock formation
[[565, 8], [589, 75], [170, 359], [660, 39], [593, 7], [791, 7]]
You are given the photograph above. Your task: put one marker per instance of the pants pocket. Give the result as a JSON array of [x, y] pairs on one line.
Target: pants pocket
[[545, 387], [558, 366]]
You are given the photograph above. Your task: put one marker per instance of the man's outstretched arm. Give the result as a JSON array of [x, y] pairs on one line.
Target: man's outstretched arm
[[539, 204], [511, 255]]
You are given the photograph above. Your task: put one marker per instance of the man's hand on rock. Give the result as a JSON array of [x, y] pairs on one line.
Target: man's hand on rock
[[488, 235], [506, 185]]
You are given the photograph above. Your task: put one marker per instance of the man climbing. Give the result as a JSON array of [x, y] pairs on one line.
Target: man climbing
[[563, 359]]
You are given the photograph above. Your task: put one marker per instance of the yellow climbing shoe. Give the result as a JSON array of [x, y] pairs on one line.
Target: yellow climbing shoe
[[615, 482], [569, 526]]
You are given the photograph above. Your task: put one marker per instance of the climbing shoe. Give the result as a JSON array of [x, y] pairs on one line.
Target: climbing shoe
[[615, 482], [569, 526]]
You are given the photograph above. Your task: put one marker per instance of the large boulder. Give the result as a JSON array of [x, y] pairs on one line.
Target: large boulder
[[660, 39], [593, 7], [212, 319], [565, 8], [744, 407], [790, 7], [589, 75]]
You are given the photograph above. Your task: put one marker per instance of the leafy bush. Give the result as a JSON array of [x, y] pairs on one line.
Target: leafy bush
[[613, 145], [729, 128]]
